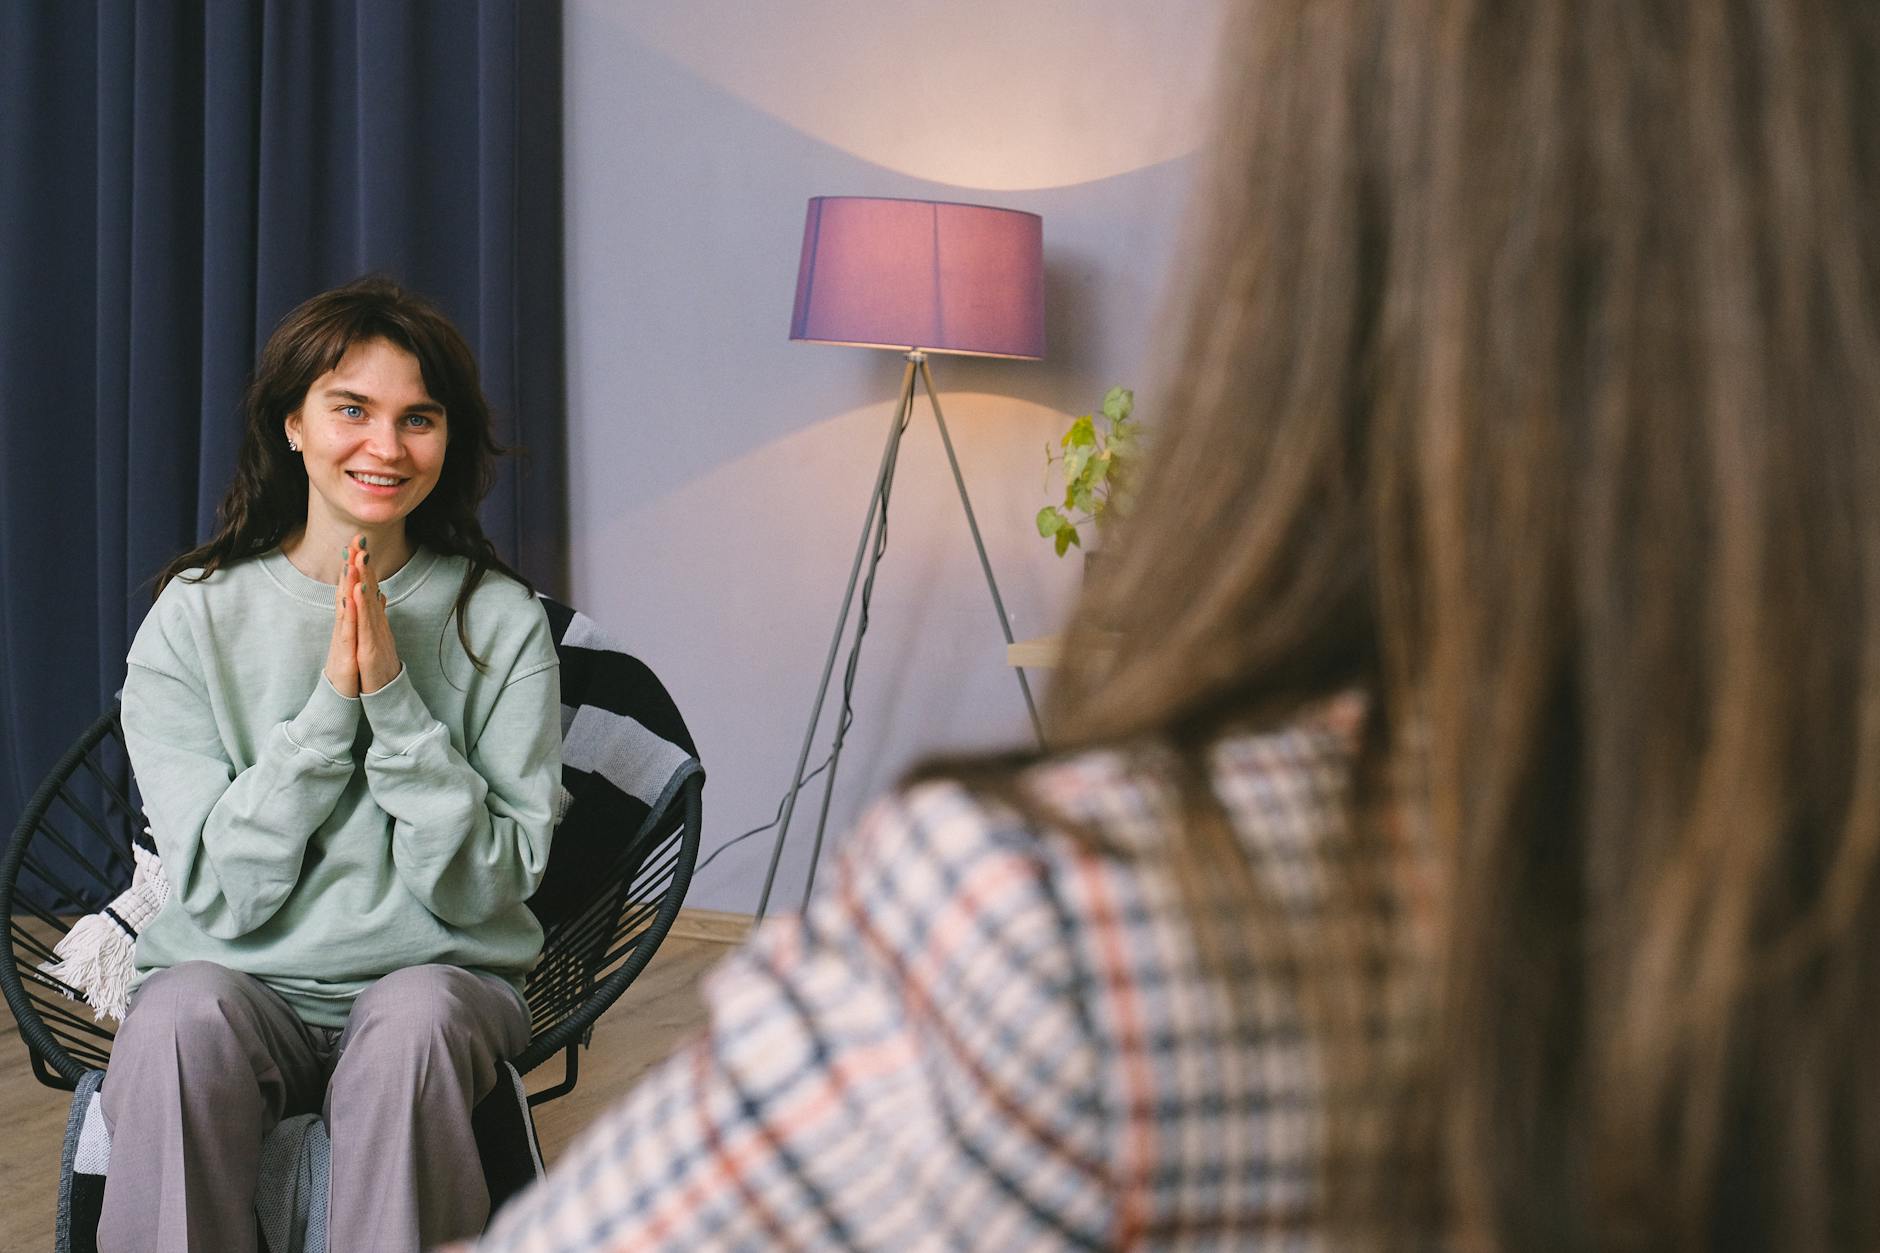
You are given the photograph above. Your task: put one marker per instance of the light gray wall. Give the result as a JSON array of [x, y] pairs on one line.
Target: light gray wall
[[719, 472]]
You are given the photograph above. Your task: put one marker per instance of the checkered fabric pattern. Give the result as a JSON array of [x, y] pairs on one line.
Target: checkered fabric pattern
[[982, 1036]]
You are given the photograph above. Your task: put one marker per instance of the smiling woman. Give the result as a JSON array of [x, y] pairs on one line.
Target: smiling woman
[[366, 379], [373, 442], [350, 841]]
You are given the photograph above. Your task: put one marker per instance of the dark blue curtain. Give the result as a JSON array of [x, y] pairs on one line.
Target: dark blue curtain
[[174, 177]]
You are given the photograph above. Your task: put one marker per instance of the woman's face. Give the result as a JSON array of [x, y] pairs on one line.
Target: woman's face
[[373, 439]]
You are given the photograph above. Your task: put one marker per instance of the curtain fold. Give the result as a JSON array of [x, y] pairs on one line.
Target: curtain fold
[[178, 176]]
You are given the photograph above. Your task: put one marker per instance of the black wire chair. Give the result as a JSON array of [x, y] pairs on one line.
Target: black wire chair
[[598, 938], [618, 869]]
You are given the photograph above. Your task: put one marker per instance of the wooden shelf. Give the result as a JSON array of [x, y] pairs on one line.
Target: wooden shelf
[[1039, 652]]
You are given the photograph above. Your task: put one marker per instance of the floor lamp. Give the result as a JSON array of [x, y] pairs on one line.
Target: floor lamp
[[913, 277]]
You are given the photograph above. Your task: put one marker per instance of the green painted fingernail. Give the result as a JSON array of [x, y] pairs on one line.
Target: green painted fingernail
[[362, 543]]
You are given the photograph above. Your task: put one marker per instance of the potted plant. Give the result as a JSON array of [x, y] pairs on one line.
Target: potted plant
[[1097, 457]]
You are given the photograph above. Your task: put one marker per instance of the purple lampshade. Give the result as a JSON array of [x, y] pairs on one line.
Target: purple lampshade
[[923, 274]]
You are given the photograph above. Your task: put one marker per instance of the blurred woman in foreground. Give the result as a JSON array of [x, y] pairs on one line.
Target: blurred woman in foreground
[[1465, 798]]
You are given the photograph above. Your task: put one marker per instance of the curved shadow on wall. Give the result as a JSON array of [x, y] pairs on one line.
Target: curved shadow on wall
[[1013, 97], [684, 311]]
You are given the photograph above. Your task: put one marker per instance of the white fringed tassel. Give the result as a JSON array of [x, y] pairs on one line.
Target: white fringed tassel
[[90, 957], [97, 957]]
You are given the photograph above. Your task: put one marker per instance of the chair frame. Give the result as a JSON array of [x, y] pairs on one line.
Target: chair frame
[[56, 1063]]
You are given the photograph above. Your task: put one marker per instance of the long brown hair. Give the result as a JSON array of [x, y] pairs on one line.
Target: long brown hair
[[267, 501], [1531, 385]]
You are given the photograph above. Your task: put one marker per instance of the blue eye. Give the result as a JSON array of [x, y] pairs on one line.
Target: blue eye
[[352, 411], [418, 419]]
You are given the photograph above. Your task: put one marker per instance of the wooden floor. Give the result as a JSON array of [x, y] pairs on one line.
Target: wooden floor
[[659, 1009]]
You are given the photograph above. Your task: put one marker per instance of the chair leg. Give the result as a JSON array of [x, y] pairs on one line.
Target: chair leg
[[45, 1074], [571, 1067]]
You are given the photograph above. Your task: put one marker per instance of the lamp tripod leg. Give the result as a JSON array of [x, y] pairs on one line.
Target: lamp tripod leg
[[985, 563], [848, 677], [883, 478]]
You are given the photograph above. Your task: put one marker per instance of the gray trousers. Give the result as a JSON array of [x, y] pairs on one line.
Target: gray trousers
[[209, 1059]]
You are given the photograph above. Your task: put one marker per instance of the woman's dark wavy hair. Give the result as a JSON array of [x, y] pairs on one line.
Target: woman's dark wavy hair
[[267, 501]]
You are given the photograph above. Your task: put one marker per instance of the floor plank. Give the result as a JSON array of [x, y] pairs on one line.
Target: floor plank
[[660, 1009], [651, 1017]]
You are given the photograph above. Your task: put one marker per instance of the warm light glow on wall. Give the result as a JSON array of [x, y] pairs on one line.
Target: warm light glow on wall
[[1050, 94]]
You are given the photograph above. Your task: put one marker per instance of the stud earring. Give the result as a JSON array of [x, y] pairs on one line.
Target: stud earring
[[292, 446]]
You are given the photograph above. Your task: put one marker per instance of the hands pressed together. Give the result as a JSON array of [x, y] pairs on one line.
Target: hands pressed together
[[363, 657]]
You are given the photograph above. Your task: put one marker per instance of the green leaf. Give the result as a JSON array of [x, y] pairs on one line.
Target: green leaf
[[1083, 433], [1098, 464]]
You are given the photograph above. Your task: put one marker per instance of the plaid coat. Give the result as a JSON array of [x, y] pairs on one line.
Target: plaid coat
[[982, 1036]]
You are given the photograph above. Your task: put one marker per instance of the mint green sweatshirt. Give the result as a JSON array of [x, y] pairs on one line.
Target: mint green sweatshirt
[[319, 842]]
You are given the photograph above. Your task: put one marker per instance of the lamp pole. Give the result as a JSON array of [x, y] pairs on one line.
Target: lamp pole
[[866, 548], [884, 480], [985, 563]]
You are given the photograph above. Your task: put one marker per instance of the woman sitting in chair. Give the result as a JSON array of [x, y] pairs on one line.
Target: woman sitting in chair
[[343, 713]]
